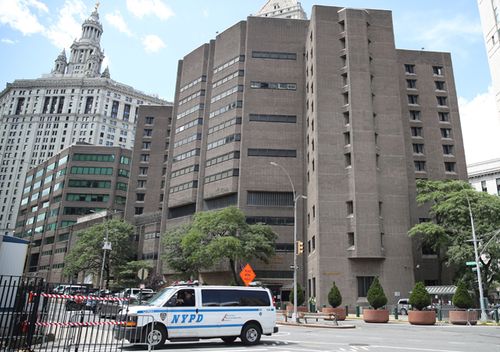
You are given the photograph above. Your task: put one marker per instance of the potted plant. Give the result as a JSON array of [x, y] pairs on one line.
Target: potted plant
[[462, 299], [377, 299], [300, 301], [335, 300], [419, 300]]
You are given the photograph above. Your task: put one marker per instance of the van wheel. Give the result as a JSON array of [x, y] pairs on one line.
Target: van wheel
[[250, 335], [403, 311], [155, 335], [228, 339]]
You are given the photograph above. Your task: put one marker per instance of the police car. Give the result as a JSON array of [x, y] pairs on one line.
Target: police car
[[190, 313]]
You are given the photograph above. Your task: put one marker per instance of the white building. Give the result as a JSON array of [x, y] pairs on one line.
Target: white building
[[282, 9], [485, 176], [490, 19], [75, 102]]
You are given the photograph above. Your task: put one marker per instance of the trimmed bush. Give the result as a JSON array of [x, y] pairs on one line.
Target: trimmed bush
[[462, 298], [334, 296], [419, 297], [376, 296], [300, 295]]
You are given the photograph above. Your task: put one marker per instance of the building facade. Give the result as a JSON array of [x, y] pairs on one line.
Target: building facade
[[351, 120], [147, 180], [485, 176], [282, 9], [74, 103], [79, 181], [489, 11]]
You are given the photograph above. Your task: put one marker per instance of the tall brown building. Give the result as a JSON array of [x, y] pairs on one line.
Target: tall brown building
[[351, 119], [147, 180]]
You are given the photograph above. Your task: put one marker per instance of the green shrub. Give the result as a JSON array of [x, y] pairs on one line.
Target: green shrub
[[300, 295], [334, 296], [419, 297], [376, 296], [462, 298]]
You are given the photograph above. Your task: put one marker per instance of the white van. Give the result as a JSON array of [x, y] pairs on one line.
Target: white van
[[133, 292], [190, 313]]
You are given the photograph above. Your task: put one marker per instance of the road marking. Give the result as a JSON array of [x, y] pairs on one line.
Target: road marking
[[413, 349]]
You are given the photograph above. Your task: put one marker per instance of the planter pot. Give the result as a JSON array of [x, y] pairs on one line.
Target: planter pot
[[339, 311], [422, 317], [463, 317], [375, 315]]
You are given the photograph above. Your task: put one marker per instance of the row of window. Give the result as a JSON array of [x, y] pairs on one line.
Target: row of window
[[415, 115], [418, 132], [226, 140], [410, 69], [185, 170], [50, 167], [239, 58], [226, 124], [273, 85], [200, 93], [238, 73], [234, 105], [274, 55], [441, 100], [439, 85], [200, 79], [222, 175], [193, 137], [420, 165], [184, 186], [418, 148], [190, 111], [82, 197], [230, 91], [190, 124]]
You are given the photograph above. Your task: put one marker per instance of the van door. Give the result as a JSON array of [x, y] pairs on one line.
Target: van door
[[182, 316]]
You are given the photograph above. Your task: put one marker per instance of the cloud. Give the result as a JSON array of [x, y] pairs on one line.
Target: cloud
[[68, 25], [141, 8], [434, 32], [18, 15], [8, 41], [480, 127], [152, 43], [116, 20]]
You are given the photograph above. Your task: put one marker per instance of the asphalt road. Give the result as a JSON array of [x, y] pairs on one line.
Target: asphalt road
[[391, 337]]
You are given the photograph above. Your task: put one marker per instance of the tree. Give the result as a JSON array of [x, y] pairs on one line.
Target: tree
[[449, 232], [462, 298], [87, 254], [376, 295], [300, 295], [419, 297], [334, 296], [215, 237]]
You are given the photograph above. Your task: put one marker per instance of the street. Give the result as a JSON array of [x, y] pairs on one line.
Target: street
[[364, 338]]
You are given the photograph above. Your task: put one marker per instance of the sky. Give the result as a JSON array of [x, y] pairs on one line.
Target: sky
[[144, 39]]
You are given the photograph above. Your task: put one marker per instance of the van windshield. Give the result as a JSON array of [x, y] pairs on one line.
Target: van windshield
[[160, 297]]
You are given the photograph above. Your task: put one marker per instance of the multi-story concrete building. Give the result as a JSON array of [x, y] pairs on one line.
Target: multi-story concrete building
[[485, 176], [147, 179], [489, 11], [75, 102], [351, 120], [80, 180], [282, 9]]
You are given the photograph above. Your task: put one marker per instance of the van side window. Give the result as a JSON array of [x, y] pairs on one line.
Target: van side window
[[185, 298], [234, 298]]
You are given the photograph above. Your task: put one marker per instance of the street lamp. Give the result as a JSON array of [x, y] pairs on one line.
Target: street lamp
[[105, 247], [476, 256], [295, 199]]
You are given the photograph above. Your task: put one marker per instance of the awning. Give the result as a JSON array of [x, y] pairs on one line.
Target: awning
[[441, 290]]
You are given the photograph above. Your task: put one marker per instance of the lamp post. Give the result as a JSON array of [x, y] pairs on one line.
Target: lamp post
[[105, 247], [295, 199], [476, 256]]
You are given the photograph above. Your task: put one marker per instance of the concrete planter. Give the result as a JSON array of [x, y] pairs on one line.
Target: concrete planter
[[422, 317], [463, 317], [300, 309], [375, 315], [339, 311]]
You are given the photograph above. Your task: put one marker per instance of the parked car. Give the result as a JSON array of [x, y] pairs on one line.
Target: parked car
[[133, 292], [112, 309], [403, 306]]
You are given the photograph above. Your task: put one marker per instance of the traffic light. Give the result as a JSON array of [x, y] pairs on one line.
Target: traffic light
[[300, 247]]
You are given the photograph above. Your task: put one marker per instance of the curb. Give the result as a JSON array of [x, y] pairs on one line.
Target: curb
[[324, 326]]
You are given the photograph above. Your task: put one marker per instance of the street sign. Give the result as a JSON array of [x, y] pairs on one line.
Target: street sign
[[470, 263], [106, 246], [247, 274], [142, 274]]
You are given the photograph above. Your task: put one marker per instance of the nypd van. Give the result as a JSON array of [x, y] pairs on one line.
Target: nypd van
[[190, 313]]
